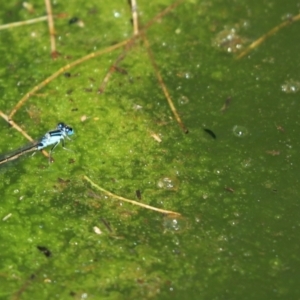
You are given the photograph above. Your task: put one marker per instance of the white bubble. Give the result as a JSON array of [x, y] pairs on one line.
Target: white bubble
[[291, 86], [174, 223], [239, 131], [183, 100], [167, 183], [116, 14]]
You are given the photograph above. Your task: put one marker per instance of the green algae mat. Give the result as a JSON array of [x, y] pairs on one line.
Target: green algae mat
[[190, 107]]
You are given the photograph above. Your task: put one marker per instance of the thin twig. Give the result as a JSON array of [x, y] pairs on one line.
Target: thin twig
[[114, 66], [160, 15], [18, 128], [21, 23], [51, 29], [134, 17], [128, 200], [132, 41], [61, 71], [128, 42], [163, 86], [89, 56], [267, 35]]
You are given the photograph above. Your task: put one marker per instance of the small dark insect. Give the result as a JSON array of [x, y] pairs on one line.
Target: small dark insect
[[138, 194], [73, 20], [106, 224], [62, 181], [71, 161], [229, 189], [120, 70], [226, 104], [210, 133], [44, 250]]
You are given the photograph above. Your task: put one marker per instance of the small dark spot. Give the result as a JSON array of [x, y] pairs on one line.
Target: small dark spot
[[106, 224], [211, 133], [226, 104], [72, 293], [67, 74], [120, 70], [55, 54], [62, 181], [138, 194], [71, 161], [44, 250], [74, 109], [73, 20], [32, 276], [229, 189]]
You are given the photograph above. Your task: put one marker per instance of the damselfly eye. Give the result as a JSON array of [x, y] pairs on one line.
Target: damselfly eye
[[61, 126], [69, 130]]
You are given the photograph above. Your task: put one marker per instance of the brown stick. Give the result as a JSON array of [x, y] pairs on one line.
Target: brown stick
[[128, 200], [61, 71], [51, 29], [134, 17], [267, 35], [163, 86], [15, 24], [18, 128]]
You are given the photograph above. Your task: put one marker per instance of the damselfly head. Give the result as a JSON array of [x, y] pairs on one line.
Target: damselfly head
[[65, 128]]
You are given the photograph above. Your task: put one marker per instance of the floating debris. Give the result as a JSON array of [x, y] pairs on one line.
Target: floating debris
[[97, 230], [7, 217], [291, 86], [226, 105], [168, 183], [156, 137], [183, 100], [229, 189], [279, 128], [137, 107], [273, 152], [174, 223], [229, 41], [239, 131]]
